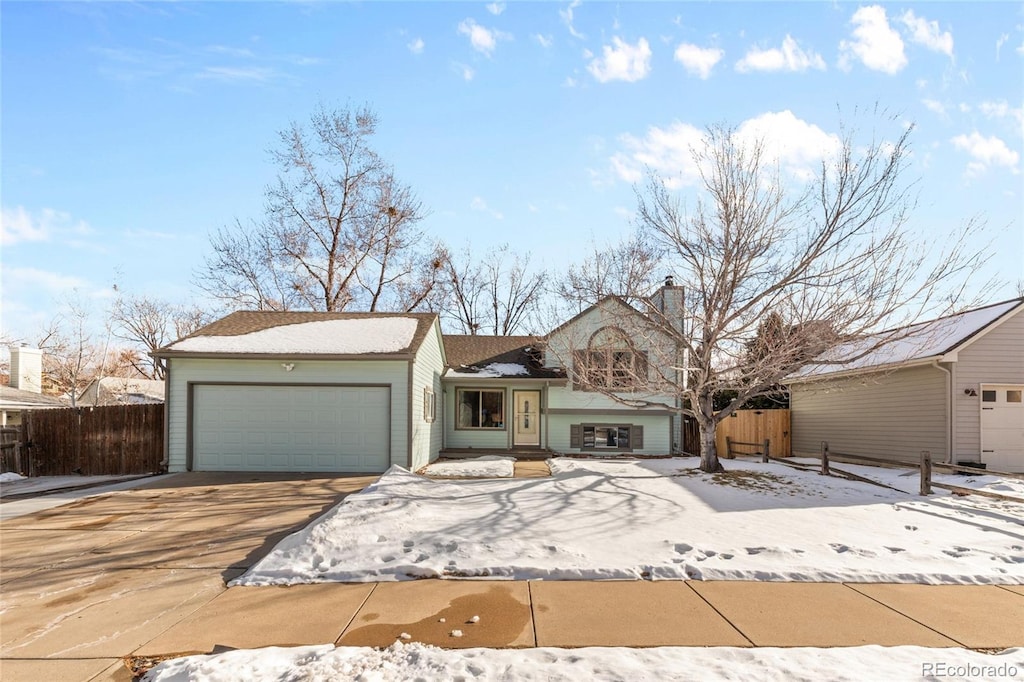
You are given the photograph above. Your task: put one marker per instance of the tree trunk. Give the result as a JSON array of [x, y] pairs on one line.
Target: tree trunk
[[708, 450]]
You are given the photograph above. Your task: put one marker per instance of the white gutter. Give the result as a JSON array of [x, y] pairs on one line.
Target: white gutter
[[949, 410]]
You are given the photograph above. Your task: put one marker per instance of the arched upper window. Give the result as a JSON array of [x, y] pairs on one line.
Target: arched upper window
[[610, 362]]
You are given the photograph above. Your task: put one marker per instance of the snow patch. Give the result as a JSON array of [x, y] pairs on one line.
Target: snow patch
[[658, 519], [10, 477], [492, 371], [419, 661], [488, 466], [342, 337]]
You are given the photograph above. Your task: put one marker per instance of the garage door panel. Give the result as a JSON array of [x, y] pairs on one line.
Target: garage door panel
[[290, 428]]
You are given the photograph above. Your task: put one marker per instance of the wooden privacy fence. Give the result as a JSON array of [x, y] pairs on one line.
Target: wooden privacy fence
[[10, 449], [750, 429], [107, 440]]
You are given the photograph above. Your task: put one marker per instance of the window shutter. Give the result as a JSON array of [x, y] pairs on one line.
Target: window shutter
[[576, 436], [637, 436]]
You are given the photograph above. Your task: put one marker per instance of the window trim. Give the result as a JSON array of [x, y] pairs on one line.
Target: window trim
[[429, 405], [504, 409]]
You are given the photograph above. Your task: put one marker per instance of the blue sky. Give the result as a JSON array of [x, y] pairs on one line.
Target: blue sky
[[132, 130]]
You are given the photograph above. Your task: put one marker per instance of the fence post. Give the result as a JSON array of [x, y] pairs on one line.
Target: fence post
[[764, 457], [926, 472], [824, 459], [728, 447]]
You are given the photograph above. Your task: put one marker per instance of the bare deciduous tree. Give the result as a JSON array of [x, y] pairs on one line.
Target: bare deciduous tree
[[628, 269], [150, 323], [829, 263], [494, 295], [340, 231]]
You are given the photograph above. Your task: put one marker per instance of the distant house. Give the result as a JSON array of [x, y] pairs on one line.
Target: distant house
[[304, 391], [952, 386], [122, 391], [25, 391]]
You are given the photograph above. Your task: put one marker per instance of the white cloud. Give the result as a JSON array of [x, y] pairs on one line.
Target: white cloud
[[567, 18], [986, 152], [622, 61], [236, 74], [698, 61], [1001, 109], [478, 204], [464, 70], [797, 146], [496, 8], [787, 58], [875, 44], [32, 278], [934, 106], [19, 225], [416, 46], [544, 40], [1000, 42], [483, 40], [927, 33], [666, 151]]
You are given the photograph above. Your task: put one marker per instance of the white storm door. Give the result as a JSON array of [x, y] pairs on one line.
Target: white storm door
[[527, 415]]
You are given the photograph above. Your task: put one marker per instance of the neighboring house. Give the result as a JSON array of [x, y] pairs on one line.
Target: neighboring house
[[303, 391], [122, 391], [14, 401], [25, 391], [952, 386]]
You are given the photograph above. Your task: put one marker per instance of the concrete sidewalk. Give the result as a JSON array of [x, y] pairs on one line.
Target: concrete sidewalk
[[610, 613], [143, 572]]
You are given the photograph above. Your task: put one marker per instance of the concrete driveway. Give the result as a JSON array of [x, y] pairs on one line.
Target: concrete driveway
[[85, 583]]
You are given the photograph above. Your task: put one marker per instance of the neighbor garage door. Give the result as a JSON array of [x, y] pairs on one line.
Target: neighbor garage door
[[1002, 427], [290, 428]]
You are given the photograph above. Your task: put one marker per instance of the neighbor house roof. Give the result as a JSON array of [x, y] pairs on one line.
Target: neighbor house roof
[[122, 390], [922, 343], [278, 334], [17, 399], [491, 357]]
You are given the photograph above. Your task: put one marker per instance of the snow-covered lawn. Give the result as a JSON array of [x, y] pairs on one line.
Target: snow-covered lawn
[[488, 466], [10, 477], [420, 662], [658, 519]]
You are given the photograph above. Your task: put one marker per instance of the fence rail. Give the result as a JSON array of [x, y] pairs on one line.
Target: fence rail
[[925, 466], [106, 440]]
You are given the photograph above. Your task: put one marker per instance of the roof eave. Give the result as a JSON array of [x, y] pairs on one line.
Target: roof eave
[[199, 355], [873, 369]]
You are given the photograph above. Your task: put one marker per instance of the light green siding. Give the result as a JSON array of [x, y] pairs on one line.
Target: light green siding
[[995, 358], [376, 372], [426, 374], [893, 415]]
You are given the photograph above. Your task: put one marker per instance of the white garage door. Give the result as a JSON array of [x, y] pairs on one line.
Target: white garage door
[[1002, 427], [290, 428]]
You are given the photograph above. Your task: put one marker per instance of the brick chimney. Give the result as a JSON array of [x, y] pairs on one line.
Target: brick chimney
[[27, 369]]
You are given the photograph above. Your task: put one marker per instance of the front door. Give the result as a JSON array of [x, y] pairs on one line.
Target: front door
[[527, 424]]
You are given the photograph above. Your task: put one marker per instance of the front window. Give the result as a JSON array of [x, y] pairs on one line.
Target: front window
[[481, 409], [606, 437]]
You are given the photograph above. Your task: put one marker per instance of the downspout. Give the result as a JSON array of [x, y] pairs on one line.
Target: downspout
[[166, 461], [949, 410], [547, 416]]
